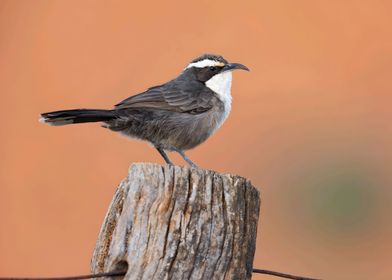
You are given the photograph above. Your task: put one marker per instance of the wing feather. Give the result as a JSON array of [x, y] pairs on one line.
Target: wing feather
[[193, 98]]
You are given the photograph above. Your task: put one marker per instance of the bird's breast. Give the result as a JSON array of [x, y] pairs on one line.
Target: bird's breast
[[221, 85]]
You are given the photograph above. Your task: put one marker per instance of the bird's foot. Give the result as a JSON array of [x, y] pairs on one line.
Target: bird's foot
[[187, 159]]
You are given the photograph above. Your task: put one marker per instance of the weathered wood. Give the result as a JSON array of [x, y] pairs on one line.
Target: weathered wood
[[171, 222]]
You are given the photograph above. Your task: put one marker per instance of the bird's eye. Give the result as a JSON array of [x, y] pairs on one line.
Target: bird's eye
[[212, 68]]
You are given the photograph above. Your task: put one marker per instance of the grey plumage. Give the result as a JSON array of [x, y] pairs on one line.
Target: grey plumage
[[175, 116]]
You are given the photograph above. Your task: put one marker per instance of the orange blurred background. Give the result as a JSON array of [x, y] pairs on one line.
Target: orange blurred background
[[310, 124]]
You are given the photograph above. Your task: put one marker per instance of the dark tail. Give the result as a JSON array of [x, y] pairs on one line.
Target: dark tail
[[76, 116]]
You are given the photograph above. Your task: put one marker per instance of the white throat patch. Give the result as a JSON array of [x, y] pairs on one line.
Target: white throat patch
[[221, 85], [205, 63]]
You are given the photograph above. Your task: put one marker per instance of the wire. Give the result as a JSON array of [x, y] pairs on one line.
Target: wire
[[282, 275], [122, 273], [87, 276]]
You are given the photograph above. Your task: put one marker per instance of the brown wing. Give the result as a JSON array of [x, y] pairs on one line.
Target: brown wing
[[188, 97]]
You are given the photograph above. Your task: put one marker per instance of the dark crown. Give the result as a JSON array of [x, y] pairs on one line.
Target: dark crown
[[218, 58]]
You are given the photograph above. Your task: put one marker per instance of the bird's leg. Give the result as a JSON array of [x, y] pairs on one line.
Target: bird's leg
[[164, 155], [187, 159]]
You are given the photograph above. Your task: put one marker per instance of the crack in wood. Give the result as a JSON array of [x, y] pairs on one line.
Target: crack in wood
[[174, 222]]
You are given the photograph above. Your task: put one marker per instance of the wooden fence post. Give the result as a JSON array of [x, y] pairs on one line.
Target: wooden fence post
[[171, 222]]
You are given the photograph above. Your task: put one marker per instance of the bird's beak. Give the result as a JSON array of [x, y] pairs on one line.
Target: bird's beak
[[233, 66]]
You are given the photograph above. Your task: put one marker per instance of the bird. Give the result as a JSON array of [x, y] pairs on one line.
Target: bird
[[175, 116]]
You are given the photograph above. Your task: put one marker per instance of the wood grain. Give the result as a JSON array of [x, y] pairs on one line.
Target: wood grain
[[171, 222]]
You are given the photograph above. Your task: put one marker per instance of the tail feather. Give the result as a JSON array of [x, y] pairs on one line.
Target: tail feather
[[76, 116]]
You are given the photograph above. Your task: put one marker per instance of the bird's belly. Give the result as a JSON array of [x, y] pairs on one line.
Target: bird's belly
[[172, 130], [191, 130]]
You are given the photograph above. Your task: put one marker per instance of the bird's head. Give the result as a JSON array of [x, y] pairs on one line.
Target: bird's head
[[215, 72], [207, 66]]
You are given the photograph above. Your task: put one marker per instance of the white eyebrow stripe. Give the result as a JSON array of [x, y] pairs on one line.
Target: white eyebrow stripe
[[204, 63]]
